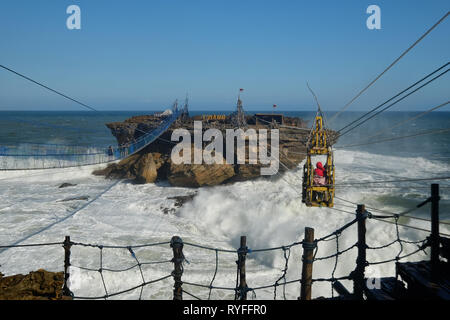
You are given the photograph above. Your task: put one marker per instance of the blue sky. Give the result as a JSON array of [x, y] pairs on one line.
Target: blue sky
[[142, 55]]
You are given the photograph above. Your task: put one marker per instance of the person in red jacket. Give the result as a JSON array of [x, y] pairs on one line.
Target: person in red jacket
[[319, 175], [319, 180]]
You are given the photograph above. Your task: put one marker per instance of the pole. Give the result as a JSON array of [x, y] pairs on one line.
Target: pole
[[358, 280], [67, 245], [177, 246], [308, 254], [242, 254], [435, 241]]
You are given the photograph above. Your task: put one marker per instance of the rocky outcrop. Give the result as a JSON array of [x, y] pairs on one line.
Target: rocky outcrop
[[198, 175], [147, 168], [153, 163], [37, 285], [141, 167]]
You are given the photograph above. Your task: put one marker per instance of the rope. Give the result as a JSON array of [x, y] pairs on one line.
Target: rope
[[140, 269], [119, 247], [240, 291], [352, 183], [338, 253], [125, 269], [138, 264], [335, 264], [190, 294], [397, 138], [15, 244], [214, 276], [32, 245], [389, 67], [406, 121], [124, 291], [397, 258], [101, 272], [403, 213], [48, 88], [286, 254], [411, 227], [395, 96]]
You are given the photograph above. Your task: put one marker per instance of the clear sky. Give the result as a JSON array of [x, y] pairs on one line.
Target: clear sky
[[143, 54]]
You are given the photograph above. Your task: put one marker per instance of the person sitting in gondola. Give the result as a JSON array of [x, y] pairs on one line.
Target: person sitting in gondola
[[319, 180], [319, 175]]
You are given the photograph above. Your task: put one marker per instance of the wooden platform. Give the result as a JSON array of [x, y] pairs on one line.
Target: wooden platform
[[390, 289], [417, 275]]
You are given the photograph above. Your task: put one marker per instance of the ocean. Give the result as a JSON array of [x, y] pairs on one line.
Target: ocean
[[268, 211]]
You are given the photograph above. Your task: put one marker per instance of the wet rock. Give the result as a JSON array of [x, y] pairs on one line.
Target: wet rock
[[66, 184], [198, 175], [147, 168], [84, 198], [180, 200], [153, 162], [37, 285], [168, 210], [141, 168]]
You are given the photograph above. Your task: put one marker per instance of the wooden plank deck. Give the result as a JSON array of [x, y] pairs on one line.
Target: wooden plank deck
[[390, 289], [417, 275]]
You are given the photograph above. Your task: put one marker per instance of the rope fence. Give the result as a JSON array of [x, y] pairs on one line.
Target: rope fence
[[308, 248]]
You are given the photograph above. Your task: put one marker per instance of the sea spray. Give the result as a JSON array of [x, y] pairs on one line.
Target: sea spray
[[268, 211]]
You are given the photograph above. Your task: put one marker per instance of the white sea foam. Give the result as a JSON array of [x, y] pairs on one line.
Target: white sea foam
[[269, 212]]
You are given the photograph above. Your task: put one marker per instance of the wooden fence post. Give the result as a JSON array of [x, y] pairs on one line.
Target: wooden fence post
[[242, 254], [358, 276], [67, 245], [177, 246], [307, 266], [435, 240]]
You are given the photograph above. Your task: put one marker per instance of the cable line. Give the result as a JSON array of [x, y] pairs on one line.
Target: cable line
[[390, 66], [407, 120], [390, 181], [48, 88], [396, 214], [395, 223], [411, 86], [395, 102], [397, 138]]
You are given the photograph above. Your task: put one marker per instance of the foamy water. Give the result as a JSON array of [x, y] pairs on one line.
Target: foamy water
[[269, 212]]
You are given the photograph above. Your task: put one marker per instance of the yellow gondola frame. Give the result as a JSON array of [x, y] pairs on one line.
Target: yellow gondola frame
[[316, 195]]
